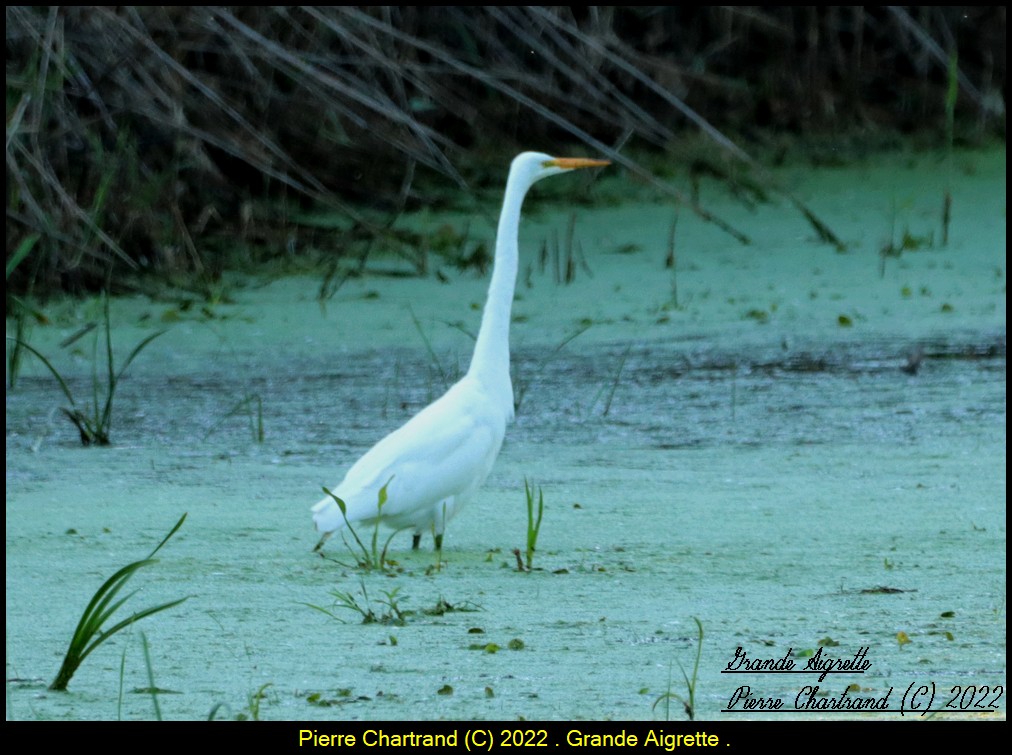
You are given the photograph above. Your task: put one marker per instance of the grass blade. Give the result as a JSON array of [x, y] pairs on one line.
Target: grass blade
[[151, 678], [59, 378], [167, 537], [24, 249], [137, 350]]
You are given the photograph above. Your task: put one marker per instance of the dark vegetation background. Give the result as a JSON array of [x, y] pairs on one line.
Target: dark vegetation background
[[171, 143]]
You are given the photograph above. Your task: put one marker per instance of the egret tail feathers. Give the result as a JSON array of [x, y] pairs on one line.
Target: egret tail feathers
[[327, 516]]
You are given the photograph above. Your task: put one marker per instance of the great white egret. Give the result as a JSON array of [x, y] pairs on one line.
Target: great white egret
[[431, 465]]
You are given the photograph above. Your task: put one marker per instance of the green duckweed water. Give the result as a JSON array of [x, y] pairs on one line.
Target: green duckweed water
[[770, 456]]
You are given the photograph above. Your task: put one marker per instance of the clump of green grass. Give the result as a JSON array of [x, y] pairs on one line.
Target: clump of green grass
[[533, 524], [254, 699], [689, 699], [394, 615], [253, 706], [367, 557], [90, 633], [94, 424], [252, 711]]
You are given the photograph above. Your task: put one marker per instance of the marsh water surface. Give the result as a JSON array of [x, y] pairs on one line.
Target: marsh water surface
[[799, 447]]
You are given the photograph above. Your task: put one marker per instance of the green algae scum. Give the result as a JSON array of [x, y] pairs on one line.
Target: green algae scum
[[805, 452]]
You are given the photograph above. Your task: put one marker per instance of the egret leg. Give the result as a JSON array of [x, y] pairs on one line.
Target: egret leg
[[322, 541], [416, 540]]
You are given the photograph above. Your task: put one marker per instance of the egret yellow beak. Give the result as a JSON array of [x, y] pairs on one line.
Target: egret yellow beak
[[572, 163]]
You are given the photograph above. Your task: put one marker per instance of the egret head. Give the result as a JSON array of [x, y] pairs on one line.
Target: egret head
[[531, 167]]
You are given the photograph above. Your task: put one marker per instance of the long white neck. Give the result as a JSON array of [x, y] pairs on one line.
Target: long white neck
[[491, 361]]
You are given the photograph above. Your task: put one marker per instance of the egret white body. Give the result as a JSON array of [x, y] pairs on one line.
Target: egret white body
[[436, 461]]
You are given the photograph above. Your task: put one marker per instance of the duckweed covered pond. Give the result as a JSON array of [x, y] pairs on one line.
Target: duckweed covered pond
[[801, 448]]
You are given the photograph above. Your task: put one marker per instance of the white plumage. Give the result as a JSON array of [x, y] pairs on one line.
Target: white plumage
[[432, 464]]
